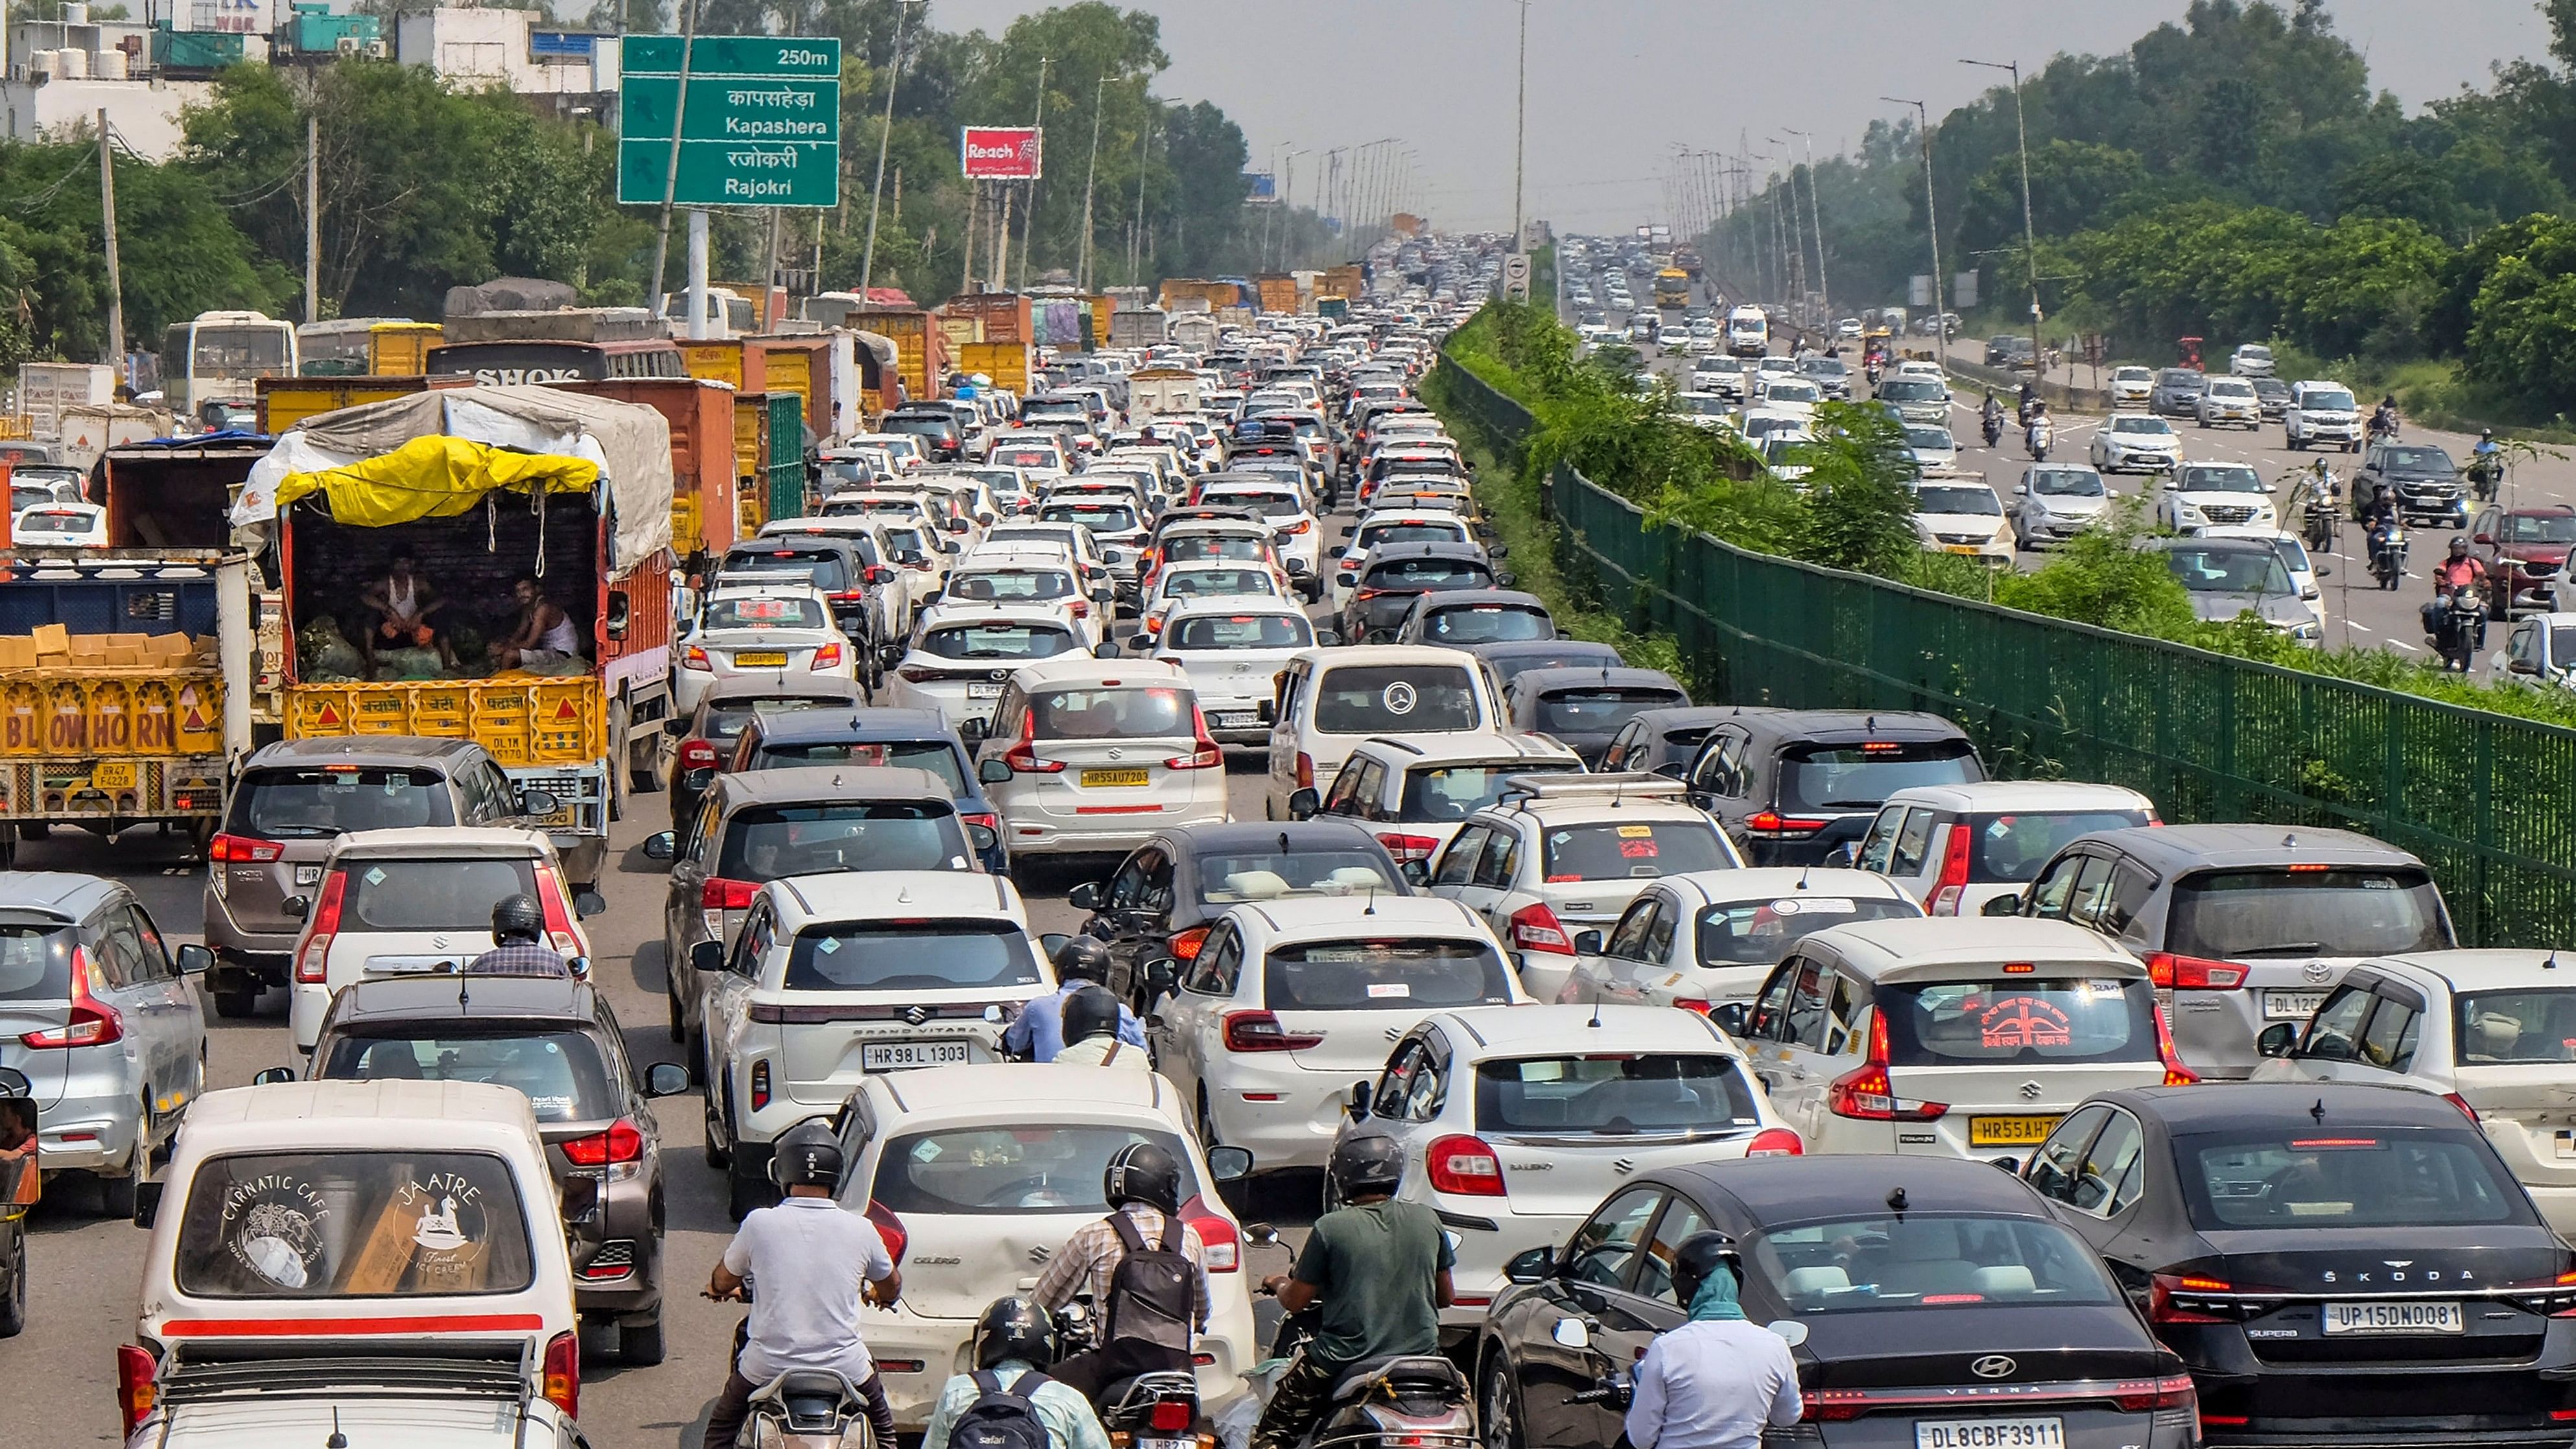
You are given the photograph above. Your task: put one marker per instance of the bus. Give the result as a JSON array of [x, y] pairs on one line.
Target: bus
[[219, 358], [1672, 288]]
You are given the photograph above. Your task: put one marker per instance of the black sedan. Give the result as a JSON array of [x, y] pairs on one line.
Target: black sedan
[[2336, 1263], [1930, 1303]]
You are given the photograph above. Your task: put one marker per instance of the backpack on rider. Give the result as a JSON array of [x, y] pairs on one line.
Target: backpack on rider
[[1003, 1415], [1153, 1292]]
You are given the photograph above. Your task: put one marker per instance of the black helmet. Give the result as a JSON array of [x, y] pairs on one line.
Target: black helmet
[[1082, 958], [1143, 1172], [518, 916], [806, 1155], [1366, 1167], [1089, 1012], [1698, 1256], [1017, 1328]]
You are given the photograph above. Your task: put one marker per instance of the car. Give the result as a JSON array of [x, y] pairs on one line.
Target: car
[[1287, 514], [2197, 495], [2056, 501], [2525, 549], [557, 1042], [292, 800], [1290, 1001], [1950, 1037], [1330, 699], [1202, 580], [2005, 349], [963, 654], [1703, 939], [1388, 526], [60, 525], [1231, 649], [1095, 755], [1936, 1306], [1962, 516], [1829, 374], [1931, 448], [1955, 847], [2226, 577], [1922, 400], [1584, 707], [419, 900], [1788, 393], [1790, 787], [707, 733], [101, 1026], [2177, 392], [834, 565], [1467, 1097], [974, 1175], [2251, 359], [1662, 741], [1020, 575], [418, 1401], [2336, 1264], [1416, 793], [2132, 387], [2321, 412], [2272, 397], [1554, 854], [1462, 618], [2230, 400], [2293, 552], [2241, 925], [766, 629], [833, 978], [1397, 573], [2420, 478], [1119, 527], [2135, 443]]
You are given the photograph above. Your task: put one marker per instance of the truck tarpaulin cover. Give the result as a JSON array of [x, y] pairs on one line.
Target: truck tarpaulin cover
[[435, 477], [629, 443]]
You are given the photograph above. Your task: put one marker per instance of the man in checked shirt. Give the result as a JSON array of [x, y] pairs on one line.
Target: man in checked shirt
[[518, 931], [1143, 1189]]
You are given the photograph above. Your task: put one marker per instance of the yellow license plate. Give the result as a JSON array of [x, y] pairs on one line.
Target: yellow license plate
[[1958, 548], [760, 659], [2009, 1131], [118, 775], [1097, 779]]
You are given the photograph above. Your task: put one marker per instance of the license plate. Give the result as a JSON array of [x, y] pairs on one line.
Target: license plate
[[306, 875], [1242, 720], [1989, 1434], [990, 689], [2387, 1318], [2009, 1131], [1118, 779], [897, 1055], [1166, 1444], [118, 775], [760, 659], [2291, 1005], [1958, 548]]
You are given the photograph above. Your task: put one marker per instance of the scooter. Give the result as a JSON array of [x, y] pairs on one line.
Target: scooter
[[2038, 440], [1994, 428], [808, 1409], [1419, 1401]]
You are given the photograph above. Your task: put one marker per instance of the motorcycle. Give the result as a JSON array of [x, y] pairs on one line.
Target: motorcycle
[[2038, 439], [2486, 476], [1994, 427], [2388, 555], [2455, 625], [1410, 1400], [808, 1409], [1149, 1411]]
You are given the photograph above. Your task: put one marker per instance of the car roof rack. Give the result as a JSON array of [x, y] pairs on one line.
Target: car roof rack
[[1611, 785]]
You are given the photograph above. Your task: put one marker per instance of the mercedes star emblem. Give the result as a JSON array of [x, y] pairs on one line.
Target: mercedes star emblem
[[1993, 1366]]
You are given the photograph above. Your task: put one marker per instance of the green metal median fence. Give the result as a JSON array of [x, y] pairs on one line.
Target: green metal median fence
[[2487, 800]]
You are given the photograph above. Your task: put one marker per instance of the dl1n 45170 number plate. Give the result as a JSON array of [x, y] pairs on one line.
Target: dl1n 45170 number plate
[[2047, 1433]]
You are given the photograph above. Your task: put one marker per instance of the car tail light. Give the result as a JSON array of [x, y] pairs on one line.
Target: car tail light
[[891, 1229], [1260, 1031], [92, 1022], [1305, 771], [2188, 1298], [2456, 1100], [2139, 1396], [1866, 1095], [1185, 945], [719, 894], [919, 673], [1775, 1142], [1772, 825], [1409, 847], [136, 1389], [1023, 759], [760, 1084], [696, 658], [1081, 608], [2193, 973], [827, 657], [1464, 1166], [1172, 1416], [2176, 1074], [560, 935], [563, 1372], [1536, 928], [1204, 755], [243, 848], [2555, 1297], [698, 755], [1954, 871], [1216, 1235], [311, 962], [622, 1142], [847, 600]]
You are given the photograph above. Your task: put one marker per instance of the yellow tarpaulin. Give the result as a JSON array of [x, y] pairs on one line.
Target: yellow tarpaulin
[[433, 477]]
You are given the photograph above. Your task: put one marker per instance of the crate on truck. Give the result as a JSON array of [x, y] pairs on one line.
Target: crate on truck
[[125, 682], [498, 494]]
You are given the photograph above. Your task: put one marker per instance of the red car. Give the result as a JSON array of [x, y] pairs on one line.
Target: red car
[[2525, 551]]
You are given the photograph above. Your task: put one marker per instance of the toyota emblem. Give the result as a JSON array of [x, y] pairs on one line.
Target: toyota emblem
[[2316, 972], [916, 1014], [1993, 1366]]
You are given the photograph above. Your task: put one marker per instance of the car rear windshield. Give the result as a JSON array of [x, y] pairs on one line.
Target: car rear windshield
[[1862, 776], [1201, 582], [1012, 586], [1600, 711], [560, 1072], [1383, 533], [1611, 851], [1445, 793], [939, 757], [725, 725], [2307, 911], [2020, 1021], [353, 1223], [35, 961], [1384, 975], [1614, 1094], [1919, 1260], [929, 955], [1237, 876], [1429, 573], [1099, 518], [1241, 631], [1370, 699], [1029, 1167], [430, 895], [771, 842], [1027, 457], [831, 571], [70, 520], [1910, 389], [2012, 846], [2495, 1027], [319, 802], [2331, 1176], [1464, 624], [1006, 639], [1268, 505], [1113, 712], [765, 614], [1760, 932]]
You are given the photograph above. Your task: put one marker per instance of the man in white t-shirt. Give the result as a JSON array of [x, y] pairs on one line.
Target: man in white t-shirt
[[811, 1263]]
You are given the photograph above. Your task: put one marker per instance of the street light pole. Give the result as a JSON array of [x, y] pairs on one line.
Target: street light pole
[[1816, 214], [2029, 231], [876, 198], [1931, 224], [1520, 128]]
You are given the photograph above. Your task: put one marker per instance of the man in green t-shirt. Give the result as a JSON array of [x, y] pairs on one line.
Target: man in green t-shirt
[[1380, 1271]]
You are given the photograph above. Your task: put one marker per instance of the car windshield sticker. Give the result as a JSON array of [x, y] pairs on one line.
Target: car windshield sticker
[[273, 1225], [2018, 1022], [1813, 905], [828, 945], [1389, 988], [375, 875], [1399, 698], [1636, 832], [449, 1231]]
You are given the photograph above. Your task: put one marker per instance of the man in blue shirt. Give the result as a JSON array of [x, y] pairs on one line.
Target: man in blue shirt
[[1038, 1033]]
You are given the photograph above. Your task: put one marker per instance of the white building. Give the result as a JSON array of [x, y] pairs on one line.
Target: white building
[[472, 46], [144, 112]]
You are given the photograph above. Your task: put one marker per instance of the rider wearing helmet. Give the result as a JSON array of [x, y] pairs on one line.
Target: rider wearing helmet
[[1379, 1271], [518, 942], [1141, 1331], [1091, 1020], [1714, 1382], [1013, 1341], [810, 1256], [1038, 1034]]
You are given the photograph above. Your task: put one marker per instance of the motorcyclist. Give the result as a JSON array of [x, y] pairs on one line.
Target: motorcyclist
[[2383, 419], [1142, 1186], [2461, 570], [815, 1262], [1718, 1380], [2039, 433], [1038, 1033], [2486, 463], [1091, 1024], [2028, 401], [1378, 1269], [518, 942], [1013, 1340]]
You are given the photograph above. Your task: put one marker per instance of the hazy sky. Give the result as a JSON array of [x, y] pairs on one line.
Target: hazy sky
[[1616, 85]]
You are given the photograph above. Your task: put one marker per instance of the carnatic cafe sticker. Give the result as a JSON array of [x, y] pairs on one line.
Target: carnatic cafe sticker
[[1399, 698], [272, 1225]]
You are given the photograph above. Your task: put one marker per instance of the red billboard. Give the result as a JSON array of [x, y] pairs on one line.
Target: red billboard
[[999, 153]]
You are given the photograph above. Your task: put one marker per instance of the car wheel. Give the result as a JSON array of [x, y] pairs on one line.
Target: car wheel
[[641, 1344], [13, 1304], [1206, 1122], [116, 1194], [745, 1194], [235, 1002], [1499, 1401]]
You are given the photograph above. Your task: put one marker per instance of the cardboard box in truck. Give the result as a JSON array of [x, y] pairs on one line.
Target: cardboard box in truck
[[46, 388]]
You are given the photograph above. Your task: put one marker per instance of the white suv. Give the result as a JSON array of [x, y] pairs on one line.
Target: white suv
[[1952, 848], [2135, 443], [2200, 495], [1331, 699], [1415, 794], [2321, 413], [1231, 648], [962, 654], [1098, 755]]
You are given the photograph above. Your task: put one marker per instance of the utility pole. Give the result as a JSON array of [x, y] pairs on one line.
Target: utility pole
[[1932, 224], [974, 218], [1816, 214], [1098, 91], [2029, 230], [1029, 216], [107, 215], [1520, 127], [1285, 206], [876, 195], [1136, 234], [671, 173], [312, 217]]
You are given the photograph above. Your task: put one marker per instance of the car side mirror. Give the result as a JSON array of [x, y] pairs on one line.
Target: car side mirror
[[1415, 872], [147, 1202], [297, 907], [665, 1079], [1844, 856], [707, 958], [1304, 804], [1106, 649], [538, 802], [2277, 1039], [1587, 943], [1162, 977], [1732, 1018], [1358, 1100], [1140, 641], [1533, 1266], [2007, 904], [662, 845], [1328, 638], [620, 611], [676, 726], [1506, 580], [1229, 1164], [272, 1076], [983, 838], [586, 904], [195, 960], [994, 772], [2008, 1166], [974, 731], [1498, 550], [1084, 897]]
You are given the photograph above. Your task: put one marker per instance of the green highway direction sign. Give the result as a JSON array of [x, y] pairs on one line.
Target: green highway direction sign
[[763, 122]]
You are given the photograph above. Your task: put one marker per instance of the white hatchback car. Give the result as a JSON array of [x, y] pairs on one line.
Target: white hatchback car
[[963, 653], [1232, 648], [1289, 1001], [976, 1175], [1096, 755], [1955, 847], [1415, 794], [766, 629], [1516, 1122], [1702, 940]]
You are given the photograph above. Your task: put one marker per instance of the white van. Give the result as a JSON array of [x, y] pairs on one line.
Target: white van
[[1330, 699]]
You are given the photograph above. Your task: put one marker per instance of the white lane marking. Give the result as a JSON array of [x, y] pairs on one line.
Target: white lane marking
[[2357, 628]]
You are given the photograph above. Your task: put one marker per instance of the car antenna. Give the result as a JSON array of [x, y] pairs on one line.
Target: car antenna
[[1896, 1202], [337, 1440], [1803, 874], [2318, 1111], [2552, 963]]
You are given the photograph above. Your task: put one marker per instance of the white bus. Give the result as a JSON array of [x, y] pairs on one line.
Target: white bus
[[220, 357], [1748, 332]]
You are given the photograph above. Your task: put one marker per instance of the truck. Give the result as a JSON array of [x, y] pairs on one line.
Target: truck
[[286, 401], [1139, 327], [45, 388], [88, 431], [177, 493], [125, 687], [1279, 294], [1007, 363], [1748, 331], [1157, 392], [700, 416], [488, 488], [1687, 258]]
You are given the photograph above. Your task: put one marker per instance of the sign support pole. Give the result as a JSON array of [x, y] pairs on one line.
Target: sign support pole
[[671, 176], [697, 275]]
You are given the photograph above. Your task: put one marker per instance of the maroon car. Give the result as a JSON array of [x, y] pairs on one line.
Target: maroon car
[[2525, 551]]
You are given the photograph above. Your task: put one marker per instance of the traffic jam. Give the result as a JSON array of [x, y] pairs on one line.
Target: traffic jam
[[1147, 902]]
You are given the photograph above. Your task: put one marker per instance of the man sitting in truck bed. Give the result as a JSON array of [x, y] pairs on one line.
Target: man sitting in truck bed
[[543, 640], [402, 602]]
